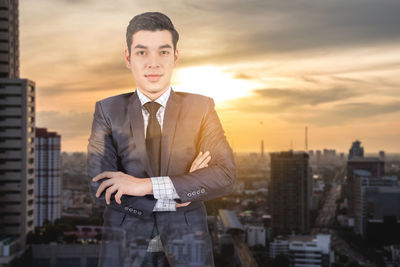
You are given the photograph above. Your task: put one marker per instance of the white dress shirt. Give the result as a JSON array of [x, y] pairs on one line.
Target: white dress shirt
[[163, 188]]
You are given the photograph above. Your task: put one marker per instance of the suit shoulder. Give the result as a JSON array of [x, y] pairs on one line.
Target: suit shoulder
[[194, 98], [115, 100]]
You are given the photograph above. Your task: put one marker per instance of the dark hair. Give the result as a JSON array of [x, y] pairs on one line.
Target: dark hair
[[150, 21]]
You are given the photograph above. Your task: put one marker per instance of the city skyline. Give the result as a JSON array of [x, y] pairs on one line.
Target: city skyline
[[272, 68]]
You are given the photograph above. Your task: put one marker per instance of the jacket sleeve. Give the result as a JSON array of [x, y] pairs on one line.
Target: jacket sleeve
[[102, 156], [218, 178]]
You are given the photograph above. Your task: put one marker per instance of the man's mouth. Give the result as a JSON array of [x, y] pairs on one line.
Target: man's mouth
[[153, 77]]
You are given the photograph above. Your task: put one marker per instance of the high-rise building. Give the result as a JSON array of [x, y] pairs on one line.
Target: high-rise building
[[17, 141], [9, 43], [374, 198], [291, 191], [48, 177], [262, 148], [17, 158], [329, 153], [356, 150], [371, 164], [382, 155]]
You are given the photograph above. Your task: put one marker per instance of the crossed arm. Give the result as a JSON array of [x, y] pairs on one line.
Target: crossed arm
[[198, 185], [124, 184]]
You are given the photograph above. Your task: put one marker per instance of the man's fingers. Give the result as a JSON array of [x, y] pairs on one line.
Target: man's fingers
[[103, 186], [182, 204], [195, 162], [118, 196], [199, 159], [109, 191], [207, 160], [103, 175], [204, 156]]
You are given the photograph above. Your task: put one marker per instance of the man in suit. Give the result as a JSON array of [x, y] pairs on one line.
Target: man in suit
[[142, 161]]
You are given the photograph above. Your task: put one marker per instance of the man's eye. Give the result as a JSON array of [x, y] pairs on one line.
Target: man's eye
[[164, 52], [140, 53]]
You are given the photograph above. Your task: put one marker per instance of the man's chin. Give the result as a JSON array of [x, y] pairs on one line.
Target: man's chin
[[154, 90]]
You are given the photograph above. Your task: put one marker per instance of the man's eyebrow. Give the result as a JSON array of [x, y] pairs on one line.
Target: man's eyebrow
[[140, 46], [165, 46]]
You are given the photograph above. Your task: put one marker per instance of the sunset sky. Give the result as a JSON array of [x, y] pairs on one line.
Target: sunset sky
[[273, 67]]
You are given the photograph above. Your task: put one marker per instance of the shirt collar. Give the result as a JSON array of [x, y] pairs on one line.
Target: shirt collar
[[162, 99]]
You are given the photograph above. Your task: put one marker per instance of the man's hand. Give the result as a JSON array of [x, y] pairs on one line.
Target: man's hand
[[199, 162], [123, 183]]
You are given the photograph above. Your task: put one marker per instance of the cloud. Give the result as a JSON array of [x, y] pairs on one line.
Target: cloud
[[307, 97], [70, 124], [342, 114], [257, 28], [273, 100], [329, 107]]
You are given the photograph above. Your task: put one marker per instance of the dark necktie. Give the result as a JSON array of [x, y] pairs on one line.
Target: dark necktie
[[153, 137]]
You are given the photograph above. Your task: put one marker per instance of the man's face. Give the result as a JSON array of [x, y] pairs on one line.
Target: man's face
[[152, 61]]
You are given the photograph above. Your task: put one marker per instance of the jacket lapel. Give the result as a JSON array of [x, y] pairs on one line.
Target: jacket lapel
[[137, 128], [171, 117]]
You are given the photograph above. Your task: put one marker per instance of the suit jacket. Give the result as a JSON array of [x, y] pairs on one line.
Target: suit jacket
[[117, 143]]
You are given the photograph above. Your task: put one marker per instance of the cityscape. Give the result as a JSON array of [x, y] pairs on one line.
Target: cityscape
[[291, 207]]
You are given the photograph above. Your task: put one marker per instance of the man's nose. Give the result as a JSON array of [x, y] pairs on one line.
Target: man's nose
[[154, 61]]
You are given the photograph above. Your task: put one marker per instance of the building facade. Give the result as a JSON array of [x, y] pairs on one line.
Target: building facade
[[48, 176], [290, 193], [17, 141]]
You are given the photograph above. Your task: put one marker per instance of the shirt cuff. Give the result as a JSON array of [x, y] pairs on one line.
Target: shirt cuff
[[165, 205], [163, 188]]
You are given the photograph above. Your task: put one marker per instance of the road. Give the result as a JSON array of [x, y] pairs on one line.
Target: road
[[324, 223]]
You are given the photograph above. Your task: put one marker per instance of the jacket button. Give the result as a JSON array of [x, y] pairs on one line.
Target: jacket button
[[198, 192], [202, 190], [139, 212], [193, 193], [189, 194], [126, 208], [134, 211], [130, 209]]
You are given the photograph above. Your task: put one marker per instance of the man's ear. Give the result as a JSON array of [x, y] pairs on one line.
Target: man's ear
[[127, 59], [176, 56]]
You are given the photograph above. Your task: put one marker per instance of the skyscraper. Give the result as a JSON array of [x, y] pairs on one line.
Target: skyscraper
[[374, 198], [9, 43], [357, 161], [48, 178], [356, 150], [290, 195], [17, 140]]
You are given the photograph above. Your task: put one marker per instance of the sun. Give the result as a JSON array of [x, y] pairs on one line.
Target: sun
[[212, 81]]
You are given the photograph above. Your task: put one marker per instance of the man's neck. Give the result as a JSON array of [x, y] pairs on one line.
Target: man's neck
[[153, 96]]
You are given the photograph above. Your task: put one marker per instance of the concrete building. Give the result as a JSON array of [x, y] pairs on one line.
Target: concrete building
[[310, 251], [17, 141], [9, 39], [278, 247], [291, 191], [256, 235], [356, 150], [374, 198], [190, 247], [304, 250], [374, 165], [48, 176]]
